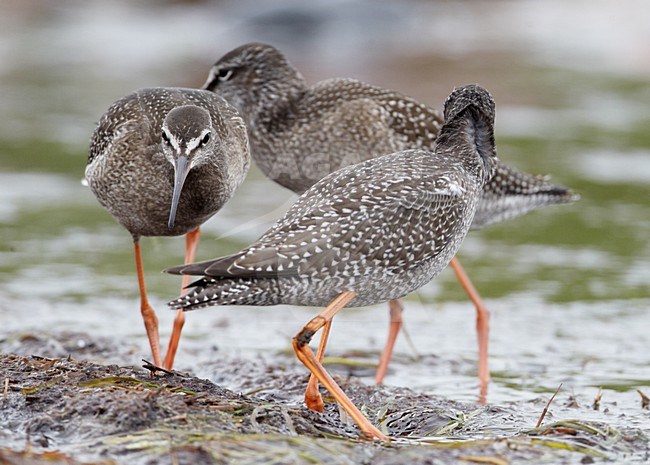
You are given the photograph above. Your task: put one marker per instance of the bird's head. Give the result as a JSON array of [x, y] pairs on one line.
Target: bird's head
[[187, 141], [469, 119], [471, 97], [251, 76]]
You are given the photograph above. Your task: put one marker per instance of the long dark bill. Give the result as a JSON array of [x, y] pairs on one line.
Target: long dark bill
[[181, 168]]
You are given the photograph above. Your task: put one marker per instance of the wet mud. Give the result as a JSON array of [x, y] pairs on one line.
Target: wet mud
[[64, 402]]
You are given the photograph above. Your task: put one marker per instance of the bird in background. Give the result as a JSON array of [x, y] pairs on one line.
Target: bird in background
[[365, 234], [162, 161], [300, 133]]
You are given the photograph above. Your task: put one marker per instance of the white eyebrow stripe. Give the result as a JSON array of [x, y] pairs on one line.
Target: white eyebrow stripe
[[194, 143], [176, 143], [211, 76]]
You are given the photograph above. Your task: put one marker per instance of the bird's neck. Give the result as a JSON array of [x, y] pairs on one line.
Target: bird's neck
[[471, 137], [275, 102]]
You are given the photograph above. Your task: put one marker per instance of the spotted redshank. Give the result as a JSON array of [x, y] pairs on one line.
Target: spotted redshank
[[299, 134], [364, 234], [162, 161]]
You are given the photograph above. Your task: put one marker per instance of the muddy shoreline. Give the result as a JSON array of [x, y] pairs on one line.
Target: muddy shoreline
[[80, 408]]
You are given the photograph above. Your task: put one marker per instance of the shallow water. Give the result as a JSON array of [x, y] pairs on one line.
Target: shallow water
[[567, 287]]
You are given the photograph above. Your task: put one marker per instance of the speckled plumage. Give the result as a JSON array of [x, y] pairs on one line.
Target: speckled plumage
[[299, 134], [382, 228], [133, 179], [162, 161]]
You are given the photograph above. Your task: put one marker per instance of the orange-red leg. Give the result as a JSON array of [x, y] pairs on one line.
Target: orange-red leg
[[148, 314], [308, 358], [313, 399], [396, 311], [482, 327], [191, 244]]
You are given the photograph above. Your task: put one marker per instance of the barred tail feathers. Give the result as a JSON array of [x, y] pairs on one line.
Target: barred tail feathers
[[225, 291], [511, 193]]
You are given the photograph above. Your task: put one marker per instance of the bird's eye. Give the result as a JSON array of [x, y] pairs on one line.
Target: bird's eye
[[165, 138], [225, 74], [205, 139]]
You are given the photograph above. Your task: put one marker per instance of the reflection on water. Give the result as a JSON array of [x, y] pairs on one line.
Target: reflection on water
[[568, 287]]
